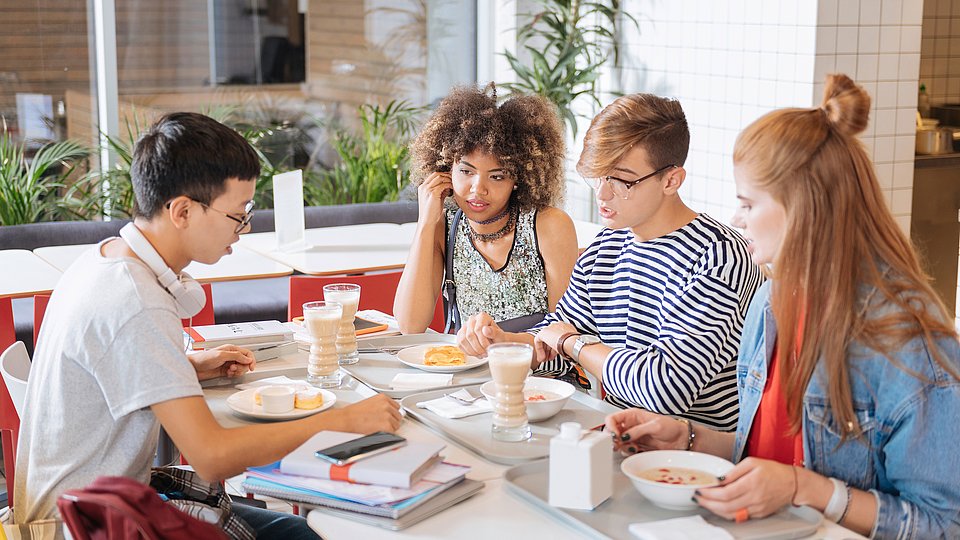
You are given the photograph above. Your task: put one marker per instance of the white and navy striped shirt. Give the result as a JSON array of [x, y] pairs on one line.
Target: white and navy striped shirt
[[672, 309]]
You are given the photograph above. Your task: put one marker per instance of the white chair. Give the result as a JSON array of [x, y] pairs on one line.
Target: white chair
[[15, 368]]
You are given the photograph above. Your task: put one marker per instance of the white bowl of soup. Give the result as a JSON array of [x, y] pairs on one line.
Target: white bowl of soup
[[543, 397], [668, 478]]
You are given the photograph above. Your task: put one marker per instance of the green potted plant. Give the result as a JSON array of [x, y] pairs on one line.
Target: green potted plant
[[374, 165], [567, 42], [30, 187]]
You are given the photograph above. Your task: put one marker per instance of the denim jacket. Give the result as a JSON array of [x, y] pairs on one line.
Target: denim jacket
[[909, 456]]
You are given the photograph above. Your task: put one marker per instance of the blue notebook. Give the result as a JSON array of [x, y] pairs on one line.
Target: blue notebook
[[392, 516]]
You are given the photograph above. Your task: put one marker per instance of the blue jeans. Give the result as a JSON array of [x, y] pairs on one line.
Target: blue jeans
[[270, 524]]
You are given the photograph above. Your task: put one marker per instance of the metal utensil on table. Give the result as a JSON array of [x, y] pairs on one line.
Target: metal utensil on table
[[392, 351], [464, 396]]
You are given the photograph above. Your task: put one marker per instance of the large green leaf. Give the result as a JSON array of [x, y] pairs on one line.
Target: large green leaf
[[30, 188], [566, 50]]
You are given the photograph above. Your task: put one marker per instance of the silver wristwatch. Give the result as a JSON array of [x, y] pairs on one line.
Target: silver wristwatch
[[582, 341]]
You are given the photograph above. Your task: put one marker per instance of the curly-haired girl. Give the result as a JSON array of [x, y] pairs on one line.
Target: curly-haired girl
[[512, 249]]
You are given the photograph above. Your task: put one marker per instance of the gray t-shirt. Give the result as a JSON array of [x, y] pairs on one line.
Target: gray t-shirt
[[110, 346]]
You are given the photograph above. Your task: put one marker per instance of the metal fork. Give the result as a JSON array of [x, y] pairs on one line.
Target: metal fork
[[465, 401], [386, 350]]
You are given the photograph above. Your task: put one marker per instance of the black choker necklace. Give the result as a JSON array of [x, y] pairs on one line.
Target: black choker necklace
[[495, 218], [495, 235]]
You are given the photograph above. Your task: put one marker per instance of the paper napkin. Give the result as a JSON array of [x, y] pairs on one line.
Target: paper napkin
[[451, 408], [419, 381], [685, 528]]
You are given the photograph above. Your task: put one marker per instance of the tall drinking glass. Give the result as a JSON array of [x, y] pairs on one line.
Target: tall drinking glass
[[509, 364], [347, 295], [322, 320]]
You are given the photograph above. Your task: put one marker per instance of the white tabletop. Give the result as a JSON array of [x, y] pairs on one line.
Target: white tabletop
[[241, 264], [24, 274], [360, 248], [341, 250], [491, 513]]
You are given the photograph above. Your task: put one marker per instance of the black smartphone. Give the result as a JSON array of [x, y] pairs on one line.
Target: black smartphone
[[359, 448], [364, 326]]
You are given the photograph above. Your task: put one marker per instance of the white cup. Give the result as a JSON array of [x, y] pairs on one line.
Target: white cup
[[277, 399]]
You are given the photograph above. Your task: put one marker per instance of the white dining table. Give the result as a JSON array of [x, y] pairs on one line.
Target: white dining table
[[492, 513], [22, 273], [354, 249], [241, 264]]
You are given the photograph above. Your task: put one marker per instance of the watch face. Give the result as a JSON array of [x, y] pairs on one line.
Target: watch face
[[588, 339]]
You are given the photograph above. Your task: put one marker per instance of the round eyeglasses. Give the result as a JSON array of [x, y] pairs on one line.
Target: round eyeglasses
[[619, 186], [242, 221]]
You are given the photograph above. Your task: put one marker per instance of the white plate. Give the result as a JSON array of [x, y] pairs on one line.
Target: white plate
[[244, 403], [413, 357]]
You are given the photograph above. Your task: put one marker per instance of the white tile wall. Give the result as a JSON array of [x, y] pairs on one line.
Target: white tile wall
[[728, 62], [890, 76], [940, 50], [731, 61]]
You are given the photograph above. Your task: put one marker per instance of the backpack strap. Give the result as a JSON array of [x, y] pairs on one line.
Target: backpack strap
[[449, 287]]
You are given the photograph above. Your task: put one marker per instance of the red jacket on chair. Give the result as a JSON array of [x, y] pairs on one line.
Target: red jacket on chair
[[116, 507]]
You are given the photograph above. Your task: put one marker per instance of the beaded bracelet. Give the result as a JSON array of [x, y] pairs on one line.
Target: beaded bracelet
[[691, 435]]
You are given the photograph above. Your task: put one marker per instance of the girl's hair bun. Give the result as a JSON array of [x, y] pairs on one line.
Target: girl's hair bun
[[846, 104]]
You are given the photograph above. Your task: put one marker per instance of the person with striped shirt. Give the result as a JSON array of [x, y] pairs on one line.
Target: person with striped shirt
[[656, 304]]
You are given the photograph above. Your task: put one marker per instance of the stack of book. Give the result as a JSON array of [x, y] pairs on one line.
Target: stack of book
[[392, 490], [267, 339]]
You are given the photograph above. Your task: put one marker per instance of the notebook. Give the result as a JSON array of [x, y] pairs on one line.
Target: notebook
[[367, 494], [427, 505], [243, 333], [401, 467]]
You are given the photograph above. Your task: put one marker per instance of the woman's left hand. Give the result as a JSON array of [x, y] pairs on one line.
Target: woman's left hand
[[222, 361], [760, 486]]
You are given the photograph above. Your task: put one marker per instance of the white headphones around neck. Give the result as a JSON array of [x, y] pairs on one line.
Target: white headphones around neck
[[187, 293]]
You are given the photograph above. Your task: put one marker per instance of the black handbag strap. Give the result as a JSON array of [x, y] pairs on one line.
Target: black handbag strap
[[452, 313]]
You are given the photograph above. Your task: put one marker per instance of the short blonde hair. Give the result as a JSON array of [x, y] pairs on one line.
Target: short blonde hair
[[654, 123]]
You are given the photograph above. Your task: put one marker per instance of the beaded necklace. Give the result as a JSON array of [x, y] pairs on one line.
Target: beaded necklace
[[495, 218], [495, 235]]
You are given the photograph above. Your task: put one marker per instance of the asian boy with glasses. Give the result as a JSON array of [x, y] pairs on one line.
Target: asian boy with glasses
[[656, 304], [110, 369]]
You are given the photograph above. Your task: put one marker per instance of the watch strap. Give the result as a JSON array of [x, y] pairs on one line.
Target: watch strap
[[563, 340], [580, 344]]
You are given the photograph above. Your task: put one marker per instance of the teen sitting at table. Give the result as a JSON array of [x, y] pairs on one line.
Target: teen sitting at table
[[510, 251], [656, 304], [110, 367], [848, 371]]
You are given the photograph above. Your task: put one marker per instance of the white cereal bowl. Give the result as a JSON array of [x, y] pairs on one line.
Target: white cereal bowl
[[671, 496], [538, 411]]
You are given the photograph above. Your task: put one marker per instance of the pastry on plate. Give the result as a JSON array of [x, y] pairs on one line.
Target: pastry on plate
[[446, 355], [308, 398]]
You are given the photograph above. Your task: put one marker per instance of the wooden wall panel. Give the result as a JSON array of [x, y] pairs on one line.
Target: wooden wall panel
[[44, 49], [353, 55], [358, 51], [161, 44]]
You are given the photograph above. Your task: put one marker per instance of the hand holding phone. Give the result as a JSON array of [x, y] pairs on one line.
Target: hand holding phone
[[360, 448]]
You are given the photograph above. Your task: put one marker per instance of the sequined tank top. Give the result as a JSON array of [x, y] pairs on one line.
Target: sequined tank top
[[517, 289]]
